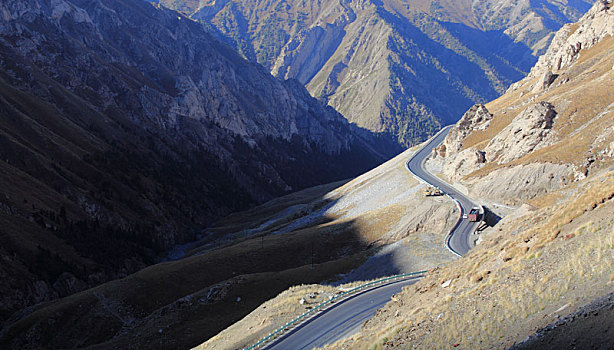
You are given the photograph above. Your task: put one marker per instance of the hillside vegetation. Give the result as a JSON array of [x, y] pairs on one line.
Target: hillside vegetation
[[126, 129], [552, 255]]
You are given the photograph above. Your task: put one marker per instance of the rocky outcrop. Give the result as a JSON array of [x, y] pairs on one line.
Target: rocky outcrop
[[476, 118], [565, 49], [309, 50], [530, 130], [463, 163], [544, 82], [533, 126]]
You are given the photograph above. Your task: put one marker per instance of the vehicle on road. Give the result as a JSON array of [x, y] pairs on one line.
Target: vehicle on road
[[474, 214], [432, 192], [346, 317]]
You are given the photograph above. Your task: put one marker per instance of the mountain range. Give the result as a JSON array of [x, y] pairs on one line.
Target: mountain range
[[399, 67], [540, 159], [126, 129]]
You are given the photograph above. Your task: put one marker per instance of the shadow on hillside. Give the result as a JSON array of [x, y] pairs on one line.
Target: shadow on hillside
[[499, 49], [383, 263], [221, 284], [490, 217], [588, 328], [458, 48]]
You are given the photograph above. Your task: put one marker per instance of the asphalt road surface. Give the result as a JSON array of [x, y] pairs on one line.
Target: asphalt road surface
[[462, 238], [346, 318], [340, 321]]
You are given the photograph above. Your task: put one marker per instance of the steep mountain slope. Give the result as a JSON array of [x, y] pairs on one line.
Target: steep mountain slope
[[555, 122], [126, 129], [546, 147], [389, 212], [541, 158], [319, 234], [395, 66]]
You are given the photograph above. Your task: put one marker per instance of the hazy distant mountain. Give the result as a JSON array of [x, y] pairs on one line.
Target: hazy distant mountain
[[546, 149], [397, 66], [541, 160], [542, 154], [125, 129]]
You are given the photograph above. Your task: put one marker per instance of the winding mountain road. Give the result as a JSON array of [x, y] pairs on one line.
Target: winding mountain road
[[346, 317], [461, 238]]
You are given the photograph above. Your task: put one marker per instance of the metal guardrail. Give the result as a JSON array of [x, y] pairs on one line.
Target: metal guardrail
[[320, 307], [304, 317]]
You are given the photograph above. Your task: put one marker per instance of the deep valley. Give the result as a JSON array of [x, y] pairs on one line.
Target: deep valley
[[198, 174]]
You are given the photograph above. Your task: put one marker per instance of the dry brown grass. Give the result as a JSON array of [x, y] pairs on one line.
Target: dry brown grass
[[500, 303], [546, 200], [602, 47], [258, 215], [480, 138], [589, 91], [375, 226], [173, 296], [274, 314], [185, 323], [556, 258]]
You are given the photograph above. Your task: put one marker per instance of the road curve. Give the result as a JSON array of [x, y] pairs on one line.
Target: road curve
[[339, 321], [346, 317], [461, 238]]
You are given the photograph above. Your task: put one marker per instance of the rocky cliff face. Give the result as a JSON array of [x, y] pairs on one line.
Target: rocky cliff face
[[126, 129], [399, 67], [476, 118], [529, 131], [592, 28], [547, 152], [549, 129]]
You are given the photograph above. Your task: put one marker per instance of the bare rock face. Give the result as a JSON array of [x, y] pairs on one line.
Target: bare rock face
[[476, 118], [463, 163], [304, 55], [545, 81], [522, 182], [454, 163], [595, 25], [529, 131]]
